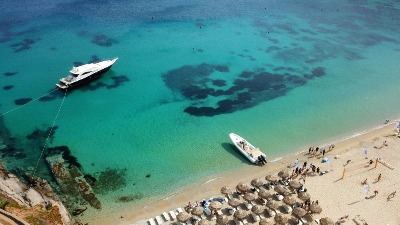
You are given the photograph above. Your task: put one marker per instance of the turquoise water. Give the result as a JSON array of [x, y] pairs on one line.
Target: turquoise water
[[162, 115]]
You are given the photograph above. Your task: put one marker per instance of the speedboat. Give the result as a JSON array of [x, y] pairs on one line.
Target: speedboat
[[252, 153], [85, 73]]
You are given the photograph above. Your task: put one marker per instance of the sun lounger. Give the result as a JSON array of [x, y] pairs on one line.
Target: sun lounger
[[231, 211], [207, 212], [238, 222], [255, 217], [172, 214], [151, 221], [230, 196], [270, 212], [165, 216], [219, 212], [245, 221], [262, 216], [287, 208], [248, 206], [159, 220], [179, 210]]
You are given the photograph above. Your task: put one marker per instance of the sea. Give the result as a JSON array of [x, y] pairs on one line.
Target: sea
[[284, 74]]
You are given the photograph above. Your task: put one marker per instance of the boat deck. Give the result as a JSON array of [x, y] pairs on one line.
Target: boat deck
[[254, 152]]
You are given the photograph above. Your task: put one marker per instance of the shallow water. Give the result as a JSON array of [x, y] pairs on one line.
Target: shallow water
[[281, 74]]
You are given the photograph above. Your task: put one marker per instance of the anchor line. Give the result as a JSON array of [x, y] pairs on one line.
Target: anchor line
[[48, 136], [33, 100]]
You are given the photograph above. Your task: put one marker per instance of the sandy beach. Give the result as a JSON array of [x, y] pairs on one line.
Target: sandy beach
[[337, 196]]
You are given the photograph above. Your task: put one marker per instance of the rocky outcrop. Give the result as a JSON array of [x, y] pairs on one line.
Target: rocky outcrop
[[70, 179], [31, 196]]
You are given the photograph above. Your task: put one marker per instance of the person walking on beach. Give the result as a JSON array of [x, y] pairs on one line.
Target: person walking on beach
[[296, 163], [323, 152], [379, 177]]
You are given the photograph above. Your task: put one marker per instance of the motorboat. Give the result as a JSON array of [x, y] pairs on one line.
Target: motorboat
[[85, 73], [248, 150]]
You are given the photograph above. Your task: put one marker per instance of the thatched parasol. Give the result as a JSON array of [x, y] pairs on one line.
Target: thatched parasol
[[300, 212], [183, 217], [304, 196], [250, 196], [197, 211], [226, 190], [326, 221], [294, 184], [234, 202], [272, 205], [215, 205], [222, 220], [284, 174], [314, 208], [281, 219], [240, 214], [280, 189], [266, 221], [264, 194], [203, 222], [290, 200], [242, 187], [271, 178], [257, 209], [257, 182]]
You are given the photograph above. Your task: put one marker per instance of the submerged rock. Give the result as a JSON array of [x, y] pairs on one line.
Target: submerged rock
[[79, 210], [70, 179]]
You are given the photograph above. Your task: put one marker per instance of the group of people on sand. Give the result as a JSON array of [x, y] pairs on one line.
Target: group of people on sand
[[304, 170], [312, 150]]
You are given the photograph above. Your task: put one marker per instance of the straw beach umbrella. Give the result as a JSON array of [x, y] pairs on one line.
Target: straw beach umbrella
[[304, 196], [204, 222], [300, 212], [197, 211], [242, 187], [272, 205], [326, 221], [240, 214], [183, 217], [257, 209], [222, 220], [294, 184], [266, 221], [284, 174], [234, 202], [271, 178], [281, 219], [314, 208], [250, 197], [257, 182], [290, 200], [280, 189], [215, 205], [226, 190], [264, 194]]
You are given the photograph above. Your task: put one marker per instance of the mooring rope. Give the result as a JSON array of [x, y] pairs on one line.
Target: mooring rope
[[33, 100], [48, 136]]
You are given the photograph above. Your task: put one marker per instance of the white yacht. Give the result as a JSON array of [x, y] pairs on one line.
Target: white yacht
[[252, 153], [85, 73]]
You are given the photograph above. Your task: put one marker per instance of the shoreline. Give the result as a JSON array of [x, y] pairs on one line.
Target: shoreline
[[210, 186]]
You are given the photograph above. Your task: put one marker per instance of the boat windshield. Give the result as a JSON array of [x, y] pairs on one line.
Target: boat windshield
[[70, 77]]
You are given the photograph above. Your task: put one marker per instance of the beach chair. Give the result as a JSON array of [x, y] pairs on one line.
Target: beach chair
[[219, 212], [255, 217], [230, 196], [287, 208], [165, 216], [262, 216], [248, 205], [207, 211], [231, 211], [172, 214], [151, 221], [159, 220], [238, 222], [179, 210], [270, 212], [245, 221]]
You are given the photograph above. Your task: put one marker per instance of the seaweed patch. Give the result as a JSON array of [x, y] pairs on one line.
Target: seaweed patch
[[249, 89], [22, 101], [9, 74], [103, 40], [23, 45], [8, 87]]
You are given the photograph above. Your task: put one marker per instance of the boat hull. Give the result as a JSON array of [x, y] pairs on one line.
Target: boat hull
[[248, 150], [86, 80]]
